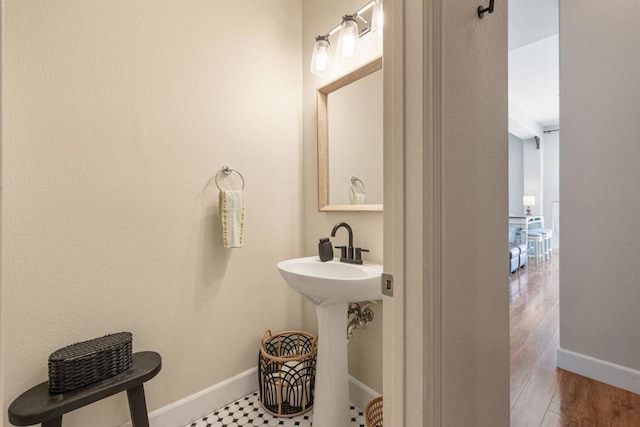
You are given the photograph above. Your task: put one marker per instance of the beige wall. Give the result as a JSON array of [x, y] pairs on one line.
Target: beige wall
[[474, 161], [115, 116], [599, 152], [365, 351]]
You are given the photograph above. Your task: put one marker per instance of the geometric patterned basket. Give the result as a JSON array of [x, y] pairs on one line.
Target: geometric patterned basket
[[287, 372], [86, 362], [373, 413]]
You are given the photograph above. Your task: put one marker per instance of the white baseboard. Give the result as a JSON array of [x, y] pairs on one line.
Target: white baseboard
[[600, 370], [197, 405], [204, 402], [360, 394]]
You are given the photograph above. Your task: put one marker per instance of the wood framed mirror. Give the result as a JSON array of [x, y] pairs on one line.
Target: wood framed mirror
[[350, 141]]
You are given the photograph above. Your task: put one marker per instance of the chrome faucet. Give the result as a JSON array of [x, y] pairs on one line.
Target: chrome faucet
[[348, 254]]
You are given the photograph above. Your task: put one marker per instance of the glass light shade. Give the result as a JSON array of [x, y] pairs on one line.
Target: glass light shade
[[529, 201], [349, 38], [320, 58], [377, 18]]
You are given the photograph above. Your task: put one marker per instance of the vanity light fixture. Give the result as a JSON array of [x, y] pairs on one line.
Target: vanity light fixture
[[353, 26], [377, 18], [349, 36], [320, 58]]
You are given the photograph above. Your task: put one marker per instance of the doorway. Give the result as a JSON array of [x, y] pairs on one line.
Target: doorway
[[534, 206]]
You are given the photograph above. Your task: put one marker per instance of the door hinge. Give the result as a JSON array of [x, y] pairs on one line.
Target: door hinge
[[387, 284]]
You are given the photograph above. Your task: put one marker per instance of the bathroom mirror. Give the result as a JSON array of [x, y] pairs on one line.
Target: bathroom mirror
[[350, 136]]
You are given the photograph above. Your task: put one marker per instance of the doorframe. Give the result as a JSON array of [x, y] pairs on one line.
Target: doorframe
[[418, 187], [412, 216], [393, 330]]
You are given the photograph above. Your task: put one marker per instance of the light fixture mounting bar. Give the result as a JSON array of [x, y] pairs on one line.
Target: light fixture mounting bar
[[357, 14], [366, 7]]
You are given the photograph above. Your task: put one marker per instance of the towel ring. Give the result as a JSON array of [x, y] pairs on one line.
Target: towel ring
[[227, 171], [355, 181]]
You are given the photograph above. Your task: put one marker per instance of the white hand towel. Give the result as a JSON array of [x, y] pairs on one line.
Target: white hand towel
[[232, 217], [358, 198]]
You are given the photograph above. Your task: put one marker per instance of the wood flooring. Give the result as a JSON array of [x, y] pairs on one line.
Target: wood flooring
[[541, 393]]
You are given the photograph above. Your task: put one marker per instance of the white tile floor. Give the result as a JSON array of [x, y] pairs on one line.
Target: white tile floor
[[248, 411]]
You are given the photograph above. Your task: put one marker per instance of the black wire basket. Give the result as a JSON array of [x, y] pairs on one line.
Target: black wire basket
[[287, 372], [90, 361]]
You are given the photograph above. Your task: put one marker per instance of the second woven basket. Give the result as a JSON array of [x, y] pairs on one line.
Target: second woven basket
[[373, 413]]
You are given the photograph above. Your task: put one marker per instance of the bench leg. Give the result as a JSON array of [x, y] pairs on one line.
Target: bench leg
[[56, 422], [138, 407]]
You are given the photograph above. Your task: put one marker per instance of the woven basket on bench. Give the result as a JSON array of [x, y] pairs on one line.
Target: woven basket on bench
[[86, 362]]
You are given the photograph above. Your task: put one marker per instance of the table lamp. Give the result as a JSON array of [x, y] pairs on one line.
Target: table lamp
[[529, 201]]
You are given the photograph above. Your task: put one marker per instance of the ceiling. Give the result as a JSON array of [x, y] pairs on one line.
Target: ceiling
[[531, 20], [534, 59]]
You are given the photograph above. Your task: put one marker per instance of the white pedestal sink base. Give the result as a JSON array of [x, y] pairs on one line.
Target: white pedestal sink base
[[331, 398], [330, 286]]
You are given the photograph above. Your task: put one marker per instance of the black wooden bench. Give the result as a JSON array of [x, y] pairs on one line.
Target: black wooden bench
[[37, 405]]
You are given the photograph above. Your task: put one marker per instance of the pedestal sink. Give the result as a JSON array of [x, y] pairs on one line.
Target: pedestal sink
[[331, 286]]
